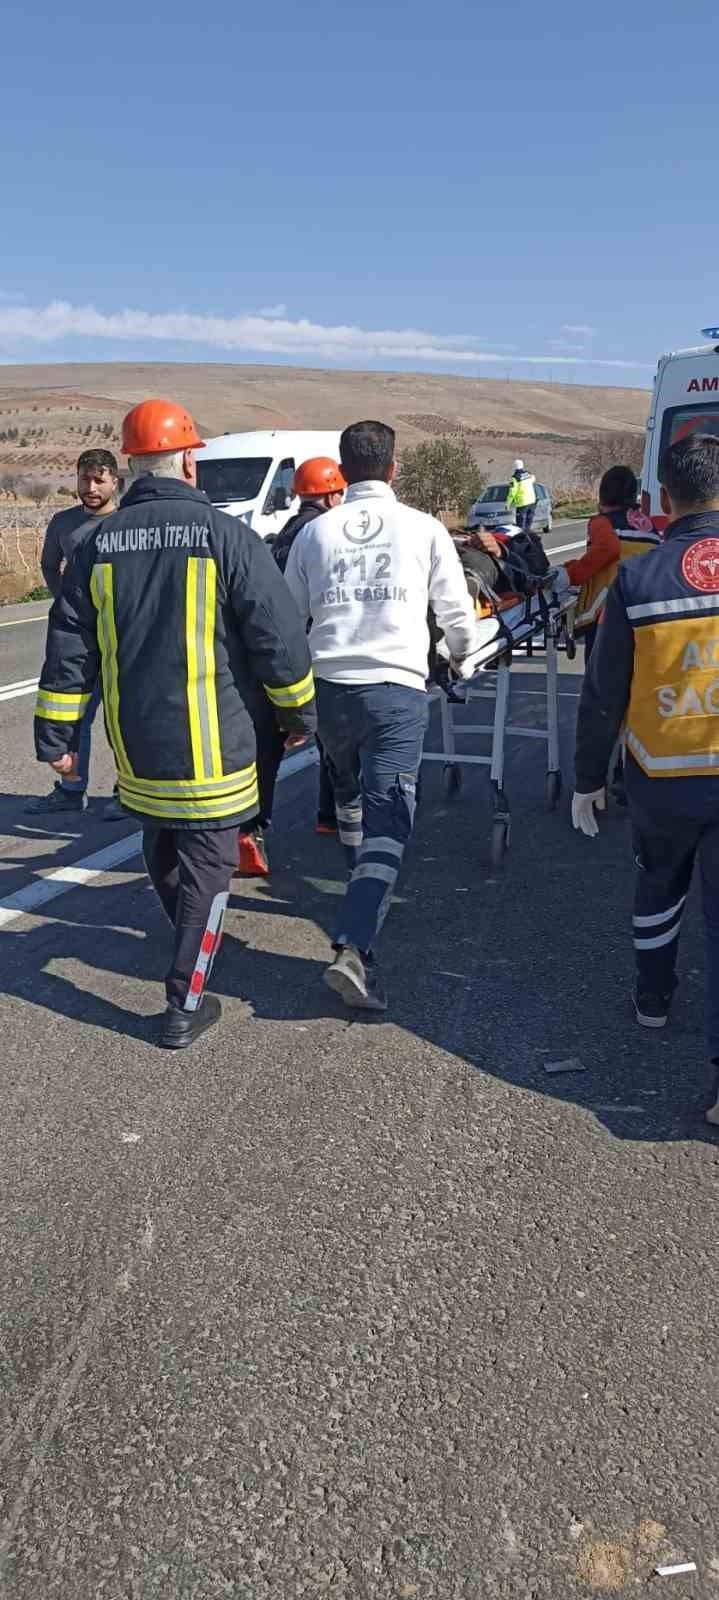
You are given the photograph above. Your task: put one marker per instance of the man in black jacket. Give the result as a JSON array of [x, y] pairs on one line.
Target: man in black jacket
[[320, 485], [97, 479], [183, 611]]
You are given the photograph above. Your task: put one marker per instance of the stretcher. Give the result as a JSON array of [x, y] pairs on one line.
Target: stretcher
[[543, 619]]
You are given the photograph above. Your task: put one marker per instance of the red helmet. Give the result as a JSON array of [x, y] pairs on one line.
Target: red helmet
[[320, 475], [156, 426]]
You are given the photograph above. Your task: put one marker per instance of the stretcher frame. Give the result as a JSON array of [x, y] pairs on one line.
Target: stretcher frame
[[552, 625]]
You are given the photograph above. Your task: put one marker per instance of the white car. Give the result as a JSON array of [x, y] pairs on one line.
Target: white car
[[491, 510]]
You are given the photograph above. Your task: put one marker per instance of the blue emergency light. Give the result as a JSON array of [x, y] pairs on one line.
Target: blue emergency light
[[710, 333]]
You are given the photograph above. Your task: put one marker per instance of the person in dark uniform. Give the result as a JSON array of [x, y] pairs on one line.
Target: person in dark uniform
[[655, 669], [182, 610], [320, 485], [97, 480]]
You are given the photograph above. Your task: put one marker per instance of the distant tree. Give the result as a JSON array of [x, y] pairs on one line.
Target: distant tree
[[35, 489], [440, 475], [23, 443], [605, 450], [8, 484]]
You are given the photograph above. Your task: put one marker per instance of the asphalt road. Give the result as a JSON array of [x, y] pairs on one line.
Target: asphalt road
[[358, 1309]]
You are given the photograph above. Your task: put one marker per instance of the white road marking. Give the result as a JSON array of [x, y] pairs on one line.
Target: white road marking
[[11, 691], [22, 622], [561, 549], [26, 901]]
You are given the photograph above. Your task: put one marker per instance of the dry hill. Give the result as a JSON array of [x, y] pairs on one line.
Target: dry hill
[[49, 413]]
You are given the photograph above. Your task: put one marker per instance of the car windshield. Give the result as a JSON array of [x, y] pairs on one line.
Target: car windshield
[[680, 421], [238, 478], [496, 491]]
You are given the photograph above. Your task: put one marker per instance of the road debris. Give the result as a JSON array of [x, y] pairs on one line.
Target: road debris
[[572, 1064], [674, 1572], [130, 1138]]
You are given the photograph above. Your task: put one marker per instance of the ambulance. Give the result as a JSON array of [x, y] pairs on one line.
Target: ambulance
[[685, 400]]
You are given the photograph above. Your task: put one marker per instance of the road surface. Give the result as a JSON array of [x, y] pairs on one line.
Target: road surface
[[334, 1308]]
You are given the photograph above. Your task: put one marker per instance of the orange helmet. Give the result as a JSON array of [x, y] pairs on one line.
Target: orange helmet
[[156, 426], [320, 475]]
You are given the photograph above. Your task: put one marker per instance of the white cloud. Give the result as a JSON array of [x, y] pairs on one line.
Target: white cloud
[[272, 311], [264, 335], [584, 328]]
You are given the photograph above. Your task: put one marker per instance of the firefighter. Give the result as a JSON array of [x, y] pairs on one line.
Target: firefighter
[[320, 486], [178, 607], [655, 668], [366, 573], [522, 495]]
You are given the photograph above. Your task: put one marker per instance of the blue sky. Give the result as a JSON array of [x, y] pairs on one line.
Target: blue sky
[[401, 185]]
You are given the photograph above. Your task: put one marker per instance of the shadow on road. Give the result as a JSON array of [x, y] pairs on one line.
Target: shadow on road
[[505, 973]]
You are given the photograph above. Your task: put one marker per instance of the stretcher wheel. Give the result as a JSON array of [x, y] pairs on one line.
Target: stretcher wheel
[[452, 779], [499, 843], [571, 648], [553, 789]]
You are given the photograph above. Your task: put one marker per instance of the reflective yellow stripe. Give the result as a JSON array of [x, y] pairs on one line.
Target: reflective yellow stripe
[[292, 694], [102, 595], [210, 685], [201, 688], [192, 692], [244, 804], [191, 790], [55, 706]]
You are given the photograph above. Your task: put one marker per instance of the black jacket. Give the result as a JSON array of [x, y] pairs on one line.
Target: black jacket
[[183, 610], [309, 511]]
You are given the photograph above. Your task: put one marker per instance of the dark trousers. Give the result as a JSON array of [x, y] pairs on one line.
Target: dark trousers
[[191, 870], [373, 735], [666, 848], [525, 516], [270, 751]]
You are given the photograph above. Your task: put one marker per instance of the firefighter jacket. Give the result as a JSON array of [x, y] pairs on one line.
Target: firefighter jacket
[[182, 611], [612, 537], [522, 491], [655, 668]]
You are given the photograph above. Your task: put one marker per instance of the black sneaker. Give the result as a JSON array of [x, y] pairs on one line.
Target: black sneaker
[[712, 1111], [355, 981], [182, 1028], [58, 799], [652, 1009]]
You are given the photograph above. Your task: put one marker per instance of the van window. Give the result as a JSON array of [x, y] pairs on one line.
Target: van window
[[281, 484], [496, 491], [679, 421], [238, 478], [540, 491]]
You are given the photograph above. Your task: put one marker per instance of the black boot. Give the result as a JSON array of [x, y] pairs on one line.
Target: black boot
[[182, 1028]]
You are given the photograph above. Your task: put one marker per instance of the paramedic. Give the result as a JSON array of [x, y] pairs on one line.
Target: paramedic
[[522, 496], [320, 486], [97, 480], [655, 667], [177, 605], [367, 573]]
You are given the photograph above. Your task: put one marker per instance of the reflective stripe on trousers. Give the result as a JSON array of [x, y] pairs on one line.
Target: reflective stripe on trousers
[[666, 849]]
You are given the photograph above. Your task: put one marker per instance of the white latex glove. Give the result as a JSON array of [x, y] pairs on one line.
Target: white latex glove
[[583, 812], [561, 581]]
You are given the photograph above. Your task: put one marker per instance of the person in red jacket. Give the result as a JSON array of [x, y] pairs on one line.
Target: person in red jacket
[[618, 532]]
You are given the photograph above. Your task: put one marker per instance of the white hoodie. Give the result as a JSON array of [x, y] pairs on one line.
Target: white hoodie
[[366, 572]]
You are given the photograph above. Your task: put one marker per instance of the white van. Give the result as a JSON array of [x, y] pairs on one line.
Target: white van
[[250, 474], [685, 400]]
